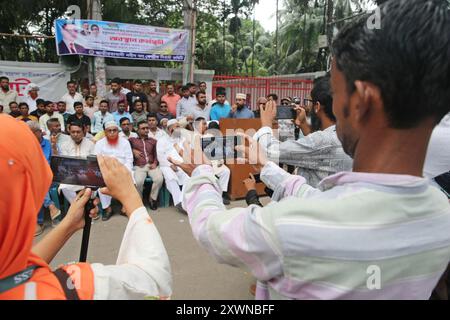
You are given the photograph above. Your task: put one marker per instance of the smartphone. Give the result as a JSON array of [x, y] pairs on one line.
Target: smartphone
[[221, 148], [77, 171], [257, 177], [284, 112], [444, 182]]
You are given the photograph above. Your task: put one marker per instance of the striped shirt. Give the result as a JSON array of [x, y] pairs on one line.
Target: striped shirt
[[359, 236]]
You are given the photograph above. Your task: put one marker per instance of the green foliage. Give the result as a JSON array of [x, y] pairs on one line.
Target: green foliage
[[228, 40]]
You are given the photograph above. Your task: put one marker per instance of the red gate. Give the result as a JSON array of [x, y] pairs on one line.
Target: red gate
[[261, 87]]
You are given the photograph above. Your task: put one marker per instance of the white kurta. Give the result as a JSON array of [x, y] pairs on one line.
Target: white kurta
[[142, 269], [122, 152]]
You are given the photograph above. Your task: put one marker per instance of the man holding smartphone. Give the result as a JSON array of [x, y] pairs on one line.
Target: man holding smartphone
[[319, 153]]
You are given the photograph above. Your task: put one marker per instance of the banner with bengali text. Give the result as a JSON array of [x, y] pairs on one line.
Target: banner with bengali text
[[50, 77], [120, 40]]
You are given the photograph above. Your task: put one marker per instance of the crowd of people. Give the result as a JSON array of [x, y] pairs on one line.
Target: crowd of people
[[362, 190]]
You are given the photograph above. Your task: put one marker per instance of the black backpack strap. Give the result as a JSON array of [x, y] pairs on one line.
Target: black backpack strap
[[64, 278]]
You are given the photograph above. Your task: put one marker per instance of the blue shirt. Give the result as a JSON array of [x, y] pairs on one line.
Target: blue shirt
[[46, 147], [219, 111], [244, 113], [117, 116], [99, 120]]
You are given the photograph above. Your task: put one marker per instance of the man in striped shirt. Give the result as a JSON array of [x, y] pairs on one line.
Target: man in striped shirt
[[379, 232]]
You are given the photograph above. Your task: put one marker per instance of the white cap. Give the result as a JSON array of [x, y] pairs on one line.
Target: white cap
[[32, 86], [171, 122], [183, 122], [241, 96], [110, 124]]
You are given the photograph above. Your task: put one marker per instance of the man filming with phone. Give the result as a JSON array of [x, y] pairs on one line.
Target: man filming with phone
[[319, 153]]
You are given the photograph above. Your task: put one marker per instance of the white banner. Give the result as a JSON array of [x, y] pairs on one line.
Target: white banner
[[50, 77]]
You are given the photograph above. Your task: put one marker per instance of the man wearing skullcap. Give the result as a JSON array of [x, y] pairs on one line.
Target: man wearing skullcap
[[112, 145], [240, 110]]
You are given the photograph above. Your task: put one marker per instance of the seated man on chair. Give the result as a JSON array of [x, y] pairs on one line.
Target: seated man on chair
[[221, 171], [76, 145], [146, 163], [117, 147], [171, 146]]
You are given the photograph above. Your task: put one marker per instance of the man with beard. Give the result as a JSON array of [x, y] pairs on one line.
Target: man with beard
[[380, 232], [6, 94], [113, 146], [14, 109], [201, 110], [115, 96], [170, 146], [24, 115], [240, 110], [126, 127], [319, 153]]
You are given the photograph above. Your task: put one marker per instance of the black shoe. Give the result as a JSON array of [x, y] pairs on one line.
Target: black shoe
[[154, 205], [225, 198], [106, 216], [180, 208]]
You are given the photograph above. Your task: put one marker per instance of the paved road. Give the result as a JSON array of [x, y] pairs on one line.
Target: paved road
[[196, 275]]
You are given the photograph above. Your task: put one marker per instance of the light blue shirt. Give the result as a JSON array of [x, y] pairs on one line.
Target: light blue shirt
[[219, 111], [100, 119], [117, 116], [244, 113]]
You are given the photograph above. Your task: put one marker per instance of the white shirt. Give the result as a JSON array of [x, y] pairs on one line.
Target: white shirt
[[69, 148], [165, 149], [158, 135], [122, 151], [142, 268], [132, 135], [31, 103], [43, 121], [69, 100], [437, 160]]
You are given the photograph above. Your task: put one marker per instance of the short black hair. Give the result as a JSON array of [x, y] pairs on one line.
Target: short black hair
[[71, 82], [116, 80], [76, 123], [137, 81], [24, 104], [141, 122], [213, 125], [123, 119], [201, 82], [11, 102], [48, 102], [42, 101], [77, 103], [273, 95], [63, 102], [190, 85], [151, 80], [184, 88], [104, 101], [408, 59], [199, 93], [321, 93], [199, 119], [4, 78], [136, 101], [94, 25], [152, 115]]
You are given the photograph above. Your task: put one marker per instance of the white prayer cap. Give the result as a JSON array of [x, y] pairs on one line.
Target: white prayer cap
[[32, 86], [183, 122], [110, 124], [241, 96], [171, 122]]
